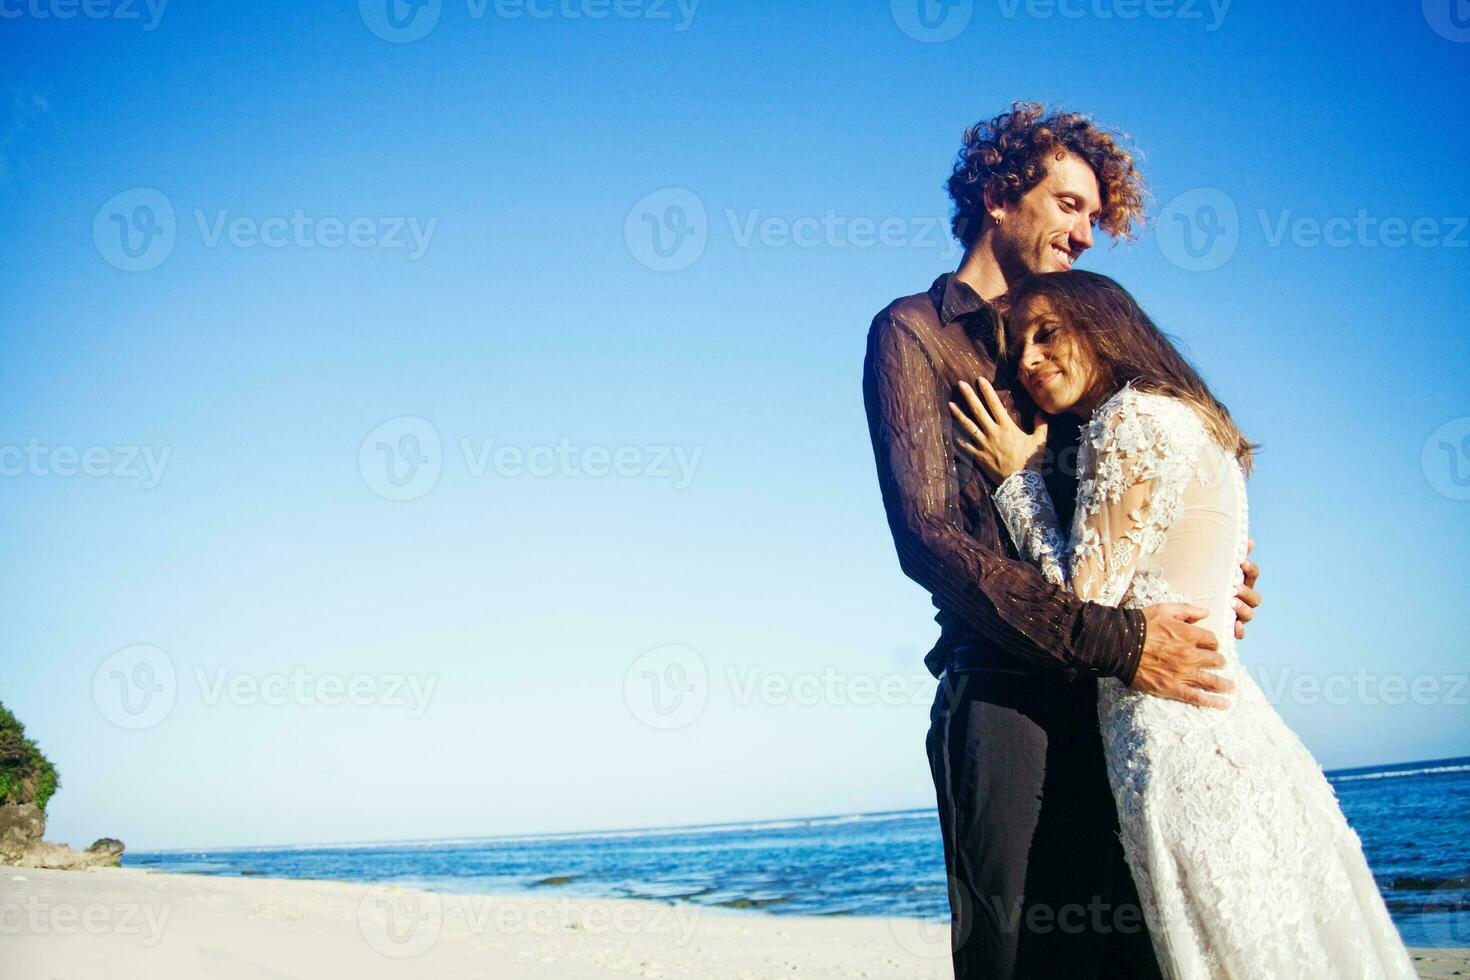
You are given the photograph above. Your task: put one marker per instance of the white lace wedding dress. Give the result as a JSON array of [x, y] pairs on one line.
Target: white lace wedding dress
[[1245, 865]]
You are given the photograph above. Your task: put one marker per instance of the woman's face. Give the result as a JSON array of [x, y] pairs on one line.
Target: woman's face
[[1057, 370]]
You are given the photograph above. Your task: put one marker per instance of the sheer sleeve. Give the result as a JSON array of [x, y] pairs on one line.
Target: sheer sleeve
[[1144, 453], [1026, 507], [1007, 601]]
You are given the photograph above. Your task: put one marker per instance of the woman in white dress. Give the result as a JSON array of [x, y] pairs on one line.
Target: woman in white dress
[[1244, 863]]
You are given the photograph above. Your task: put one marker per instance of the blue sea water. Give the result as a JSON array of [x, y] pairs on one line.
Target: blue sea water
[[1414, 820]]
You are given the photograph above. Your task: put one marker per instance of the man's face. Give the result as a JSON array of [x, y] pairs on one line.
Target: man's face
[[1051, 224]]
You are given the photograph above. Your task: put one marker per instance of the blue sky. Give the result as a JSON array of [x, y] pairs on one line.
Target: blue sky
[[598, 286]]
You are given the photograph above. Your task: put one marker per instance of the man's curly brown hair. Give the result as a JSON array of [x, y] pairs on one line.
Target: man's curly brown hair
[[1010, 155]]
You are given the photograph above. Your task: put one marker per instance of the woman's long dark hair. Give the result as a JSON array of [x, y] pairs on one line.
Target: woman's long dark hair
[[1128, 347]]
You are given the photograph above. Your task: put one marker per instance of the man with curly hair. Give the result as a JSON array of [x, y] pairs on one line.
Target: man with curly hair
[[1038, 885]]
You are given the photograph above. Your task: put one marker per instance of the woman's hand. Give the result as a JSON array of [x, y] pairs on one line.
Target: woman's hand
[[997, 444]]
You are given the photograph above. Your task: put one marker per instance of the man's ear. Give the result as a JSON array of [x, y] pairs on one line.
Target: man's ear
[[994, 210]]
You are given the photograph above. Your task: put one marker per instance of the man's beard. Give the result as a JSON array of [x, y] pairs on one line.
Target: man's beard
[[1013, 263]]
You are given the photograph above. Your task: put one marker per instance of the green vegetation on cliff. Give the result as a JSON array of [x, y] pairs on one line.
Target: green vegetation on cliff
[[26, 776]]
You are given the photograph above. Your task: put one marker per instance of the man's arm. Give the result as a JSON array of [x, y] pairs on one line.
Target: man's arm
[[1007, 601]]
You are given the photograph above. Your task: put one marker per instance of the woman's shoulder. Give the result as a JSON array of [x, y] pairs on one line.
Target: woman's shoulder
[[1135, 420]]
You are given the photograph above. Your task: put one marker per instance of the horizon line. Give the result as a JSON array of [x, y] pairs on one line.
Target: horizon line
[[1410, 766]]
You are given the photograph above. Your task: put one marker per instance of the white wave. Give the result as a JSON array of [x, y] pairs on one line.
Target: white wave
[[1396, 773]]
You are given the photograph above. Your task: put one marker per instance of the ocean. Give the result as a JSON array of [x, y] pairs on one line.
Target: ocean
[[1413, 818]]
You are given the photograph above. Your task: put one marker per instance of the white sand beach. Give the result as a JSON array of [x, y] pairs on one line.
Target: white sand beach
[[131, 924]]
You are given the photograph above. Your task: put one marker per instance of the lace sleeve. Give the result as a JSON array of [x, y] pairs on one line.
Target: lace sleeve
[[1139, 454], [1026, 507]]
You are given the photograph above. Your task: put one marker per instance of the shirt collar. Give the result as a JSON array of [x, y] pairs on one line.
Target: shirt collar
[[957, 301]]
